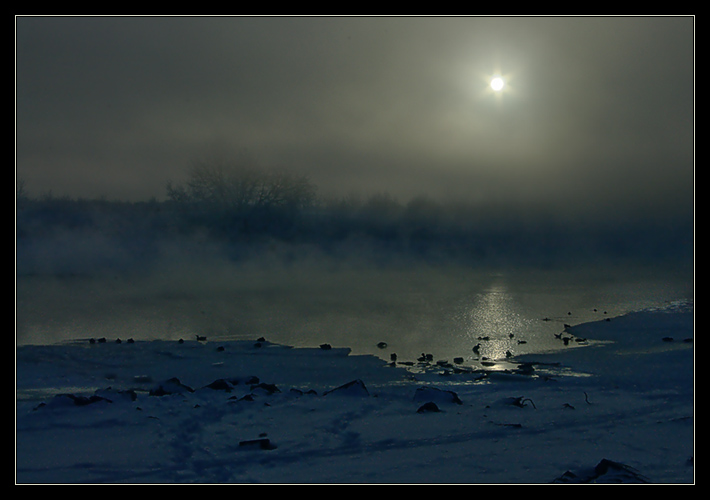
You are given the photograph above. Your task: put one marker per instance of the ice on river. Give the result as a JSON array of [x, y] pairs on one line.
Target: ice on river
[[618, 410]]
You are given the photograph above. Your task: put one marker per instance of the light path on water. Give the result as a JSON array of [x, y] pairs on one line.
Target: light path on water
[[442, 311]]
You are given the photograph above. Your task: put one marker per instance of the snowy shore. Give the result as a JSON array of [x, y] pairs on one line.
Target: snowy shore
[[618, 410]]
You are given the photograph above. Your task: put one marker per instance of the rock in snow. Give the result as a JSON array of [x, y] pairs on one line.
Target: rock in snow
[[436, 395], [171, 386], [428, 407], [606, 472], [632, 404], [353, 388], [261, 444]]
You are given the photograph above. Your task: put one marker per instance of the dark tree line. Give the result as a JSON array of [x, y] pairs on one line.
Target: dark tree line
[[248, 211]]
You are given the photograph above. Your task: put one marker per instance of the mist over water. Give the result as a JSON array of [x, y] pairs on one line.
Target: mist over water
[[423, 276], [438, 309]]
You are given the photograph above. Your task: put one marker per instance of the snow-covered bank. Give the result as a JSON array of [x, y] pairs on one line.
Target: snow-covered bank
[[253, 411]]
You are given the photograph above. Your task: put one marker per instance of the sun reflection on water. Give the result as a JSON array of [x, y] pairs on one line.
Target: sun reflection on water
[[493, 323]]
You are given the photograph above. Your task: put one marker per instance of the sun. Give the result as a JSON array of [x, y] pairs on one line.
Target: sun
[[497, 84]]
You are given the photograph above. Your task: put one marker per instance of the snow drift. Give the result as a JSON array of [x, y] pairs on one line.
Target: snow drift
[[620, 410]]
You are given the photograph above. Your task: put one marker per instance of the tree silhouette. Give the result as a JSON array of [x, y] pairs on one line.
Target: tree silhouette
[[242, 188]]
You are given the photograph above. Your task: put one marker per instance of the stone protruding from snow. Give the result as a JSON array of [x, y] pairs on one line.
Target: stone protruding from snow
[[353, 388], [428, 407], [605, 472], [171, 386], [436, 395]]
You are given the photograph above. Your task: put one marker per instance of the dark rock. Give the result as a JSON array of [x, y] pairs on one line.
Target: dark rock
[[525, 369], [520, 402], [267, 388], [616, 472], [159, 391], [247, 380], [434, 394], [352, 388], [84, 401], [567, 477], [299, 392], [428, 407], [170, 386], [260, 444], [606, 471], [325, 347], [667, 339], [61, 400], [220, 385], [114, 395], [382, 345]]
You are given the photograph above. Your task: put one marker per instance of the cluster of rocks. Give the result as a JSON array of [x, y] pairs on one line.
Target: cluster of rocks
[[102, 340], [106, 396]]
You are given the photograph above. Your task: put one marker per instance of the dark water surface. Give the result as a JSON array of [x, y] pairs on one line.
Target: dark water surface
[[438, 310]]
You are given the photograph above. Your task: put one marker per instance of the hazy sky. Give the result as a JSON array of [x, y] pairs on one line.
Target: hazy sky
[[597, 112]]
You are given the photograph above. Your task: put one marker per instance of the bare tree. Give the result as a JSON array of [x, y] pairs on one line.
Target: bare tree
[[242, 188]]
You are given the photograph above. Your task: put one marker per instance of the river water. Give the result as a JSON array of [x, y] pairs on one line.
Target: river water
[[444, 311]]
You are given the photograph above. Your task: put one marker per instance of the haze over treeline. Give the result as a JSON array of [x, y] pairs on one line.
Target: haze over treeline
[[242, 213], [597, 113]]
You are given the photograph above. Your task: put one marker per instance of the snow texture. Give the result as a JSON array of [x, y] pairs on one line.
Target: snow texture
[[618, 410]]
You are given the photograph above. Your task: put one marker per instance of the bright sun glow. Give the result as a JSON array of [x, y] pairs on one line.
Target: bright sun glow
[[497, 84]]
